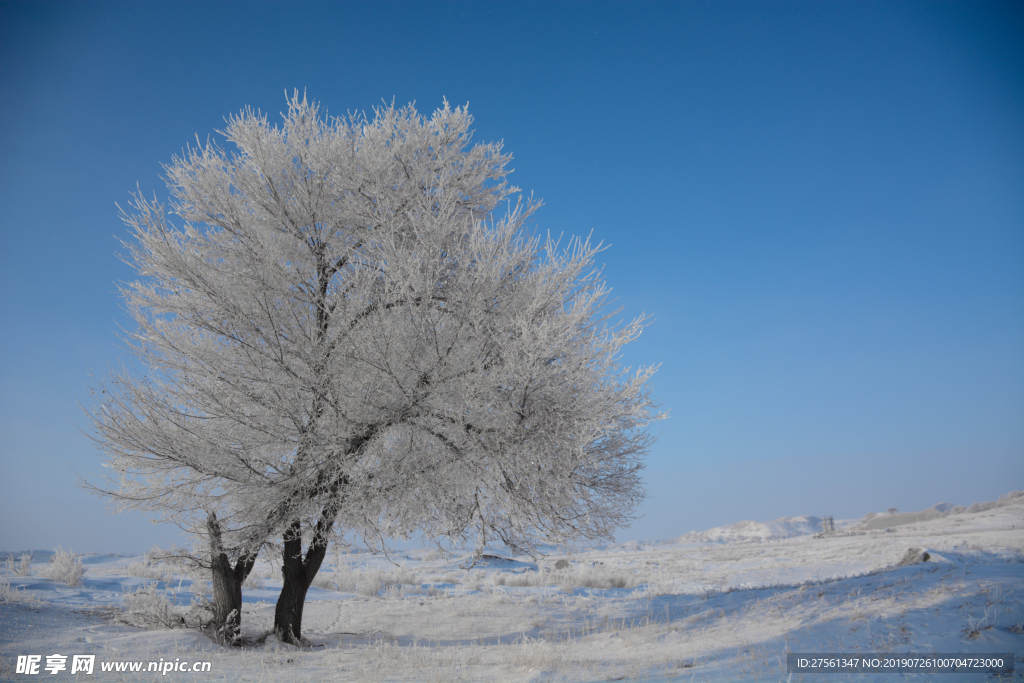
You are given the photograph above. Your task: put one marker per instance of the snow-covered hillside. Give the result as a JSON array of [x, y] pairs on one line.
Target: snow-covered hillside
[[725, 604], [783, 527]]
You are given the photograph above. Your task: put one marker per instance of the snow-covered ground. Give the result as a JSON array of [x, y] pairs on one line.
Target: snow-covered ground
[[723, 604]]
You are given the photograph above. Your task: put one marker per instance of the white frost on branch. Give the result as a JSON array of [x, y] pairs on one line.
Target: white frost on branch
[[345, 331]]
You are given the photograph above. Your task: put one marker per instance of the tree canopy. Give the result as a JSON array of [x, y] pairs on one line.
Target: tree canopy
[[346, 335]]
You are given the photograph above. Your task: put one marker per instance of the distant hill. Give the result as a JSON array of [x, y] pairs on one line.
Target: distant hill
[[788, 527], [783, 527], [895, 519]]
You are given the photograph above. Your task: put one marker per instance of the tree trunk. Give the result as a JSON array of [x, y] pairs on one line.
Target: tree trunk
[[297, 573], [227, 584]]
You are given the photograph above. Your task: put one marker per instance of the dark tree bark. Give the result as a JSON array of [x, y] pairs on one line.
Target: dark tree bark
[[227, 582], [298, 573]]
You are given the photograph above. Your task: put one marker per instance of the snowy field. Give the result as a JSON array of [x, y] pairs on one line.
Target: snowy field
[[720, 605]]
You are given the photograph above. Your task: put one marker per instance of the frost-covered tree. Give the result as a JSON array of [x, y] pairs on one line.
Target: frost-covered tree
[[343, 337]]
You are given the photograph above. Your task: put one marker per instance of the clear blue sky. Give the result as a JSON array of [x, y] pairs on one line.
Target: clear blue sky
[[821, 205]]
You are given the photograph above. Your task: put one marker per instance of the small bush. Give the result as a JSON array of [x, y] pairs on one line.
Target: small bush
[[145, 570], [148, 608], [200, 577], [23, 567], [66, 568], [475, 582], [259, 575], [255, 580], [9, 595], [601, 578], [435, 592], [201, 588]]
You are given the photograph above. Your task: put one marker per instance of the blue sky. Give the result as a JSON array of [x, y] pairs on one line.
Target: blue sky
[[820, 204]]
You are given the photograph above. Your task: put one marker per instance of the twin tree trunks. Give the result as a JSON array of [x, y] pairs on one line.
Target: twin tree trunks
[[297, 574]]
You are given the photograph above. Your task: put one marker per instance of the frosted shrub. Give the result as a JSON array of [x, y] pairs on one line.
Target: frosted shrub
[[23, 567], [145, 570], [402, 575], [201, 588], [148, 608], [325, 581], [9, 594], [200, 577], [255, 580], [435, 592], [338, 580], [66, 568]]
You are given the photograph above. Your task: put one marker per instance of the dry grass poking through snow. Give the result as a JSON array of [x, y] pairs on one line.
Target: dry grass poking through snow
[[544, 639], [587, 577], [368, 581], [650, 583]]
